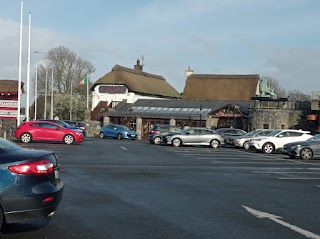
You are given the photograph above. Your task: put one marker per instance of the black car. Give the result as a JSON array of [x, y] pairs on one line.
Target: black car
[[157, 132], [30, 186]]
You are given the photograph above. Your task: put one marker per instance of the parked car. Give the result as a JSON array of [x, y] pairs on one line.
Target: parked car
[[243, 141], [157, 132], [277, 139], [303, 149], [228, 133], [117, 131], [195, 136], [78, 124], [30, 184], [46, 131], [66, 125]]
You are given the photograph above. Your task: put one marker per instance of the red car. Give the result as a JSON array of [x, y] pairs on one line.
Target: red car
[[46, 131]]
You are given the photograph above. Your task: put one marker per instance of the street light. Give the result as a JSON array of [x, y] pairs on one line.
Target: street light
[[45, 90]]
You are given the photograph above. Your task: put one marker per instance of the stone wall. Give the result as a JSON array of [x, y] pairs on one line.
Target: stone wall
[[277, 119], [7, 129]]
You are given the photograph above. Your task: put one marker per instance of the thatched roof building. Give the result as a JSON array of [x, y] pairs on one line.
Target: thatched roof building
[[220, 87], [138, 81]]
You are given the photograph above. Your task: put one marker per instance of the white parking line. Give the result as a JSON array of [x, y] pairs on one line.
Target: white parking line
[[299, 178], [250, 162], [123, 148]]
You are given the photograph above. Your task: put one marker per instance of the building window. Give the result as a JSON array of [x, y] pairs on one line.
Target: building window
[[266, 126]]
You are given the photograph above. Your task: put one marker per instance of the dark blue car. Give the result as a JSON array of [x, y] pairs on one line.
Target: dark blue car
[[117, 131], [30, 186], [66, 125]]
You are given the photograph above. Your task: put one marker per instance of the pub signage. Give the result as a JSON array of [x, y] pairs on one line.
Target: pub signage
[[113, 89], [8, 103], [8, 113]]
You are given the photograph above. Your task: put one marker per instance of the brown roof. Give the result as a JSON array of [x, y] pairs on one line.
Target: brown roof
[[220, 87], [138, 81], [10, 86]]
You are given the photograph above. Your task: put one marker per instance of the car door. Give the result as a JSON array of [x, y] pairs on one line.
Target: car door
[[206, 136], [36, 131], [190, 137], [51, 132], [283, 138]]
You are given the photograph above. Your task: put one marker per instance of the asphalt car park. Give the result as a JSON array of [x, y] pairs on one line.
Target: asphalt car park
[[134, 189]]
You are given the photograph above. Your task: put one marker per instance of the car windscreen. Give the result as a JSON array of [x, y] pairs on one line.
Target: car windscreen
[[315, 138], [123, 127], [251, 133], [274, 133]]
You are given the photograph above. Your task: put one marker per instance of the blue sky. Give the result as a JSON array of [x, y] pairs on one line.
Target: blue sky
[[279, 39]]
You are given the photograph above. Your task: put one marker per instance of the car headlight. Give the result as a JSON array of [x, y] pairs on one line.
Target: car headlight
[[295, 146]]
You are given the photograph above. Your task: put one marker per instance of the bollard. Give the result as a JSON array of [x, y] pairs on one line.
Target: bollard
[[5, 135]]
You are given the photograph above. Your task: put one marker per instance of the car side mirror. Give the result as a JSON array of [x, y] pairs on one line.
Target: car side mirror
[[187, 133]]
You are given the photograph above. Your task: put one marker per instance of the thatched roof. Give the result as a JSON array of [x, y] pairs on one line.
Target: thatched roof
[[220, 87], [10, 86], [138, 81]]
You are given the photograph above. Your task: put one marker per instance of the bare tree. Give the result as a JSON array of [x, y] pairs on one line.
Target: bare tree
[[278, 89], [68, 69], [298, 95]]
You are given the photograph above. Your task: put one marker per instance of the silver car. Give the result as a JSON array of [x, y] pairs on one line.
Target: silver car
[[243, 141], [196, 136], [303, 149]]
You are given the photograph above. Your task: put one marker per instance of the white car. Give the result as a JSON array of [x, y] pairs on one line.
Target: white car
[[277, 139]]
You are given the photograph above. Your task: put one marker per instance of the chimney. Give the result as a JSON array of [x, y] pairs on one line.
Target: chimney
[[138, 66], [188, 72]]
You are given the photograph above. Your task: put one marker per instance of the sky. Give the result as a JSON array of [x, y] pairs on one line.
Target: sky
[[272, 38]]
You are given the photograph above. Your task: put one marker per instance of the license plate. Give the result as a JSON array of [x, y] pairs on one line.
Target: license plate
[[56, 174]]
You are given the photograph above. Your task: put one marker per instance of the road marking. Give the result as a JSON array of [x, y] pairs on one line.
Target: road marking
[[298, 178], [276, 219], [248, 162], [123, 148]]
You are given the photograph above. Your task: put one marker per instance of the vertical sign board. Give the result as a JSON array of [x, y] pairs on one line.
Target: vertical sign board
[[8, 109]]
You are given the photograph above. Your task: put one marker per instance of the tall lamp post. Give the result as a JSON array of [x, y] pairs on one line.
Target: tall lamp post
[[45, 89], [51, 111]]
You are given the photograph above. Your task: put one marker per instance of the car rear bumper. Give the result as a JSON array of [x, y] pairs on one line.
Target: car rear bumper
[[37, 208], [20, 216]]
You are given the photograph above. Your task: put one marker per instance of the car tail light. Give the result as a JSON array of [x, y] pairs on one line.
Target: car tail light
[[41, 167], [154, 131], [48, 199]]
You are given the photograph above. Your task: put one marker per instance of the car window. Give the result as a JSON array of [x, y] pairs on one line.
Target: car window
[[296, 134], [206, 131], [285, 134], [35, 125], [48, 126]]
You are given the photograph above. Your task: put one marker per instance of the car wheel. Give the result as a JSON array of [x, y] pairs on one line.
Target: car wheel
[[268, 148], [157, 140], [68, 139], [151, 142], [101, 135], [119, 136], [214, 143], [176, 142], [306, 153], [246, 145], [26, 138]]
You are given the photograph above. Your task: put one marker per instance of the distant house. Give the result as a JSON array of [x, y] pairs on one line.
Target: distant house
[[220, 87], [125, 84]]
